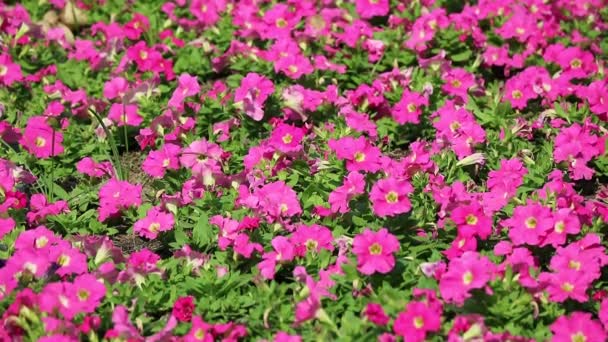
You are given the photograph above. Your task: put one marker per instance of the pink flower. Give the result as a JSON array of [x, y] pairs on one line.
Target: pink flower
[[312, 239], [579, 326], [372, 8], [9, 72], [375, 314], [566, 284], [253, 92], [408, 109], [359, 153], [91, 168], [472, 221], [115, 88], [354, 184], [89, 291], [158, 162], [416, 321], [469, 271], [286, 138], [278, 200], [6, 226], [565, 222], [187, 86], [40, 139], [155, 221], [183, 308], [389, 197], [40, 209], [69, 259], [138, 25], [115, 196], [374, 251], [202, 157], [529, 224], [283, 251], [576, 146], [457, 82], [125, 114]]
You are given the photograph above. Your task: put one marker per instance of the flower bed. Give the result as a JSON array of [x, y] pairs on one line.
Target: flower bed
[[306, 170]]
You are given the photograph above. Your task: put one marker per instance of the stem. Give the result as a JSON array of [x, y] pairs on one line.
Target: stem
[[52, 187], [116, 161]]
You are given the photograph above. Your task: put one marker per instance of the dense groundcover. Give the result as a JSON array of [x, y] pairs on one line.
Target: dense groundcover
[[217, 170]]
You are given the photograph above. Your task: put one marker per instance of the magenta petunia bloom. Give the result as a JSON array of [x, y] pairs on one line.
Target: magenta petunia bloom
[[278, 200], [577, 327], [158, 162], [115, 88], [469, 271], [371, 8], [416, 321], [253, 92], [125, 115], [374, 251], [389, 197], [156, 221], [115, 196], [183, 308], [10, 72], [40, 139], [89, 291], [286, 138], [529, 224], [359, 153], [472, 221], [408, 109]]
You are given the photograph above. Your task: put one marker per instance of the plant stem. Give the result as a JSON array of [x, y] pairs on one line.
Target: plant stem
[[116, 161]]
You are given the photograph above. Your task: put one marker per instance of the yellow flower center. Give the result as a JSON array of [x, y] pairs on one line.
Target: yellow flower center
[[3, 70], [199, 334], [281, 23], [83, 294], [560, 226], [166, 162], [411, 107], [578, 337], [471, 219], [311, 244], [516, 94], [359, 157], [40, 142], [287, 138], [154, 227], [41, 242], [283, 207], [293, 69], [567, 287], [143, 55], [573, 264], [204, 8], [454, 126], [576, 63], [456, 83], [520, 31], [418, 322], [63, 260], [467, 278], [392, 197], [375, 249], [531, 223], [317, 22]]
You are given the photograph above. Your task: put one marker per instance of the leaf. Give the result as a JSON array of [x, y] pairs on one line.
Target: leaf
[[202, 231]]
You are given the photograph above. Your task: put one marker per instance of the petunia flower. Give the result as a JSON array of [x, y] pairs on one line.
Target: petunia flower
[[374, 251], [389, 197]]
